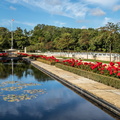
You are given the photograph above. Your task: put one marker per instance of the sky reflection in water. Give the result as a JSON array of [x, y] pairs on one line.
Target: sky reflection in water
[[58, 103]]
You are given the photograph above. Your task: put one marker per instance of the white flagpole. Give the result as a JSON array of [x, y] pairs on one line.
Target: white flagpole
[[12, 33]]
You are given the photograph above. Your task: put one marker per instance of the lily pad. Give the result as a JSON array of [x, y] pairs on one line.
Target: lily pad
[[2, 85], [17, 98], [28, 84], [34, 91], [10, 82], [12, 88]]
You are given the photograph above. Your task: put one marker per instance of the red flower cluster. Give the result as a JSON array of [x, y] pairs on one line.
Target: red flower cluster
[[70, 62], [50, 58], [23, 54], [111, 69], [114, 69], [3, 54]]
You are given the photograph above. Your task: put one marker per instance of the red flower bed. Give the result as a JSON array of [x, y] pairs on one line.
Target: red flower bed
[[50, 58], [3, 54], [23, 54], [110, 69]]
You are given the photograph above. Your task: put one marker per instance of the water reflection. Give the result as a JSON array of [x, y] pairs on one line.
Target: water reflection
[[61, 105], [58, 102], [21, 68]]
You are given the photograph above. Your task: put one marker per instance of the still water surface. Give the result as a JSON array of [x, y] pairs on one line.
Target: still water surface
[[28, 94]]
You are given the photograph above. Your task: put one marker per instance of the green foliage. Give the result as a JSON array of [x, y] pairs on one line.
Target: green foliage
[[83, 39], [20, 38], [93, 60], [51, 38], [46, 61], [113, 82], [4, 38]]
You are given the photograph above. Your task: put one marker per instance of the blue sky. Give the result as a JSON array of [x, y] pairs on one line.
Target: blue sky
[[68, 13]]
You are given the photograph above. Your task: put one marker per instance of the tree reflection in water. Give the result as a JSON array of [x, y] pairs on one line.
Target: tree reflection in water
[[21, 68]]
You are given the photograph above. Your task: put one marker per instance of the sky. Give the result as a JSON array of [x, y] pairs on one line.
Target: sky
[[61, 13]]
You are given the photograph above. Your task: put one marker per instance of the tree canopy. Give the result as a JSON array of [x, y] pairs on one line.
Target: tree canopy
[[52, 38]]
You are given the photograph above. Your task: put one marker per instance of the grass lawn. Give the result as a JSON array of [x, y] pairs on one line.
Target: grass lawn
[[92, 60], [89, 60]]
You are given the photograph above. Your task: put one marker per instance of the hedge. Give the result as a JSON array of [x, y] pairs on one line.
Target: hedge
[[46, 61], [110, 81]]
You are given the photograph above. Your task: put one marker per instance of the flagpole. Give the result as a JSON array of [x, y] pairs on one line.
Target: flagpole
[[12, 33]]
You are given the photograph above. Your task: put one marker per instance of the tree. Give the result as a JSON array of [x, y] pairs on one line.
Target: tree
[[20, 38], [83, 39], [65, 41], [112, 30], [5, 38]]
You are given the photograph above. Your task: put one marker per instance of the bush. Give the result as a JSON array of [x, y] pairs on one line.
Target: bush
[[3, 54], [22, 54], [46, 61]]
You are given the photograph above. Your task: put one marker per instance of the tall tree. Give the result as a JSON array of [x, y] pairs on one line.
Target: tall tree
[[5, 38], [65, 41], [112, 30]]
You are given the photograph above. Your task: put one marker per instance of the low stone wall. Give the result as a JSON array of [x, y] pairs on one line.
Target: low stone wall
[[84, 55], [97, 56]]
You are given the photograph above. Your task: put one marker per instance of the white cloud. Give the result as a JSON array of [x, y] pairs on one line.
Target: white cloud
[[82, 21], [7, 23], [83, 27], [116, 8], [97, 12], [59, 23], [12, 8], [25, 23], [106, 20], [76, 10], [108, 3], [64, 8], [13, 1]]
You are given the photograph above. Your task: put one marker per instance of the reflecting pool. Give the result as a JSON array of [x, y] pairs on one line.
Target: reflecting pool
[[28, 94]]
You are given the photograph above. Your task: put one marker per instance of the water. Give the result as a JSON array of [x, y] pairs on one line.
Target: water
[[28, 94]]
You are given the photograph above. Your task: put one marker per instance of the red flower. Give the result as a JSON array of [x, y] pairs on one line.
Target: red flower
[[104, 65], [56, 60], [118, 74], [111, 72], [111, 63], [118, 63], [115, 71]]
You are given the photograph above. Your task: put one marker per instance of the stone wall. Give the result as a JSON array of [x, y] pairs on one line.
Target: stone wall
[[98, 56], [84, 55]]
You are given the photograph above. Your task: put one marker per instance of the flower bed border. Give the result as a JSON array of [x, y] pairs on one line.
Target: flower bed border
[[110, 81], [46, 61]]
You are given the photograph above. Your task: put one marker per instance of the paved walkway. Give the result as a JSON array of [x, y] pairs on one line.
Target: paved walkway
[[107, 93]]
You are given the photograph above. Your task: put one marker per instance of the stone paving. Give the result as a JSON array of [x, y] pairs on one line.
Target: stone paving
[[100, 90]]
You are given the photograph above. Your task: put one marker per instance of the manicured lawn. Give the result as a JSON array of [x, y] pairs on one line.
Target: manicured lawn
[[93, 60]]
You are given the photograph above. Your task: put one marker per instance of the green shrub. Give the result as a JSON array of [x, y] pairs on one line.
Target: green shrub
[[113, 82], [46, 61]]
